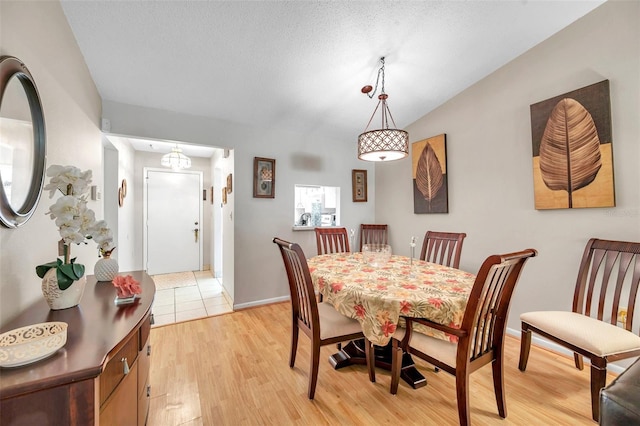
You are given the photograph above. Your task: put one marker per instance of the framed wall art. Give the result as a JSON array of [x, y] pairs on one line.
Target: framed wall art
[[430, 185], [264, 177], [224, 195], [211, 192], [229, 183], [572, 149], [359, 185]]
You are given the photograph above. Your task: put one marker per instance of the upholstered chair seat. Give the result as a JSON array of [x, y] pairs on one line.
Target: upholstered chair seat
[[594, 336]]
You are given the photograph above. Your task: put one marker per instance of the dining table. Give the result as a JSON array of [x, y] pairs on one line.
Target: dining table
[[379, 296]]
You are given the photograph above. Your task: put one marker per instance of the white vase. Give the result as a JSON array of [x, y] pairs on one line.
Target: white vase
[[106, 269], [62, 299]]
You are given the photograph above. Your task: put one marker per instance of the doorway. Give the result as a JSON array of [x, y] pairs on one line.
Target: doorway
[[172, 213]]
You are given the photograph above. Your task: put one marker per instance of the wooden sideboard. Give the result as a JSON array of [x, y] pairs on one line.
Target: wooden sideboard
[[100, 376]]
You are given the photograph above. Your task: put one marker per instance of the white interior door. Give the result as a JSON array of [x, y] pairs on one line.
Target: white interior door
[[173, 218]]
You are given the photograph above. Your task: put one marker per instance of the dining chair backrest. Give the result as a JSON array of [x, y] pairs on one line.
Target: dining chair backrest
[[332, 240], [485, 317], [606, 287], [303, 300], [443, 248], [323, 324], [373, 234], [609, 272], [480, 336]]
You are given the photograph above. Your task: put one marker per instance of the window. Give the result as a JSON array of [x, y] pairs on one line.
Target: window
[[316, 206]]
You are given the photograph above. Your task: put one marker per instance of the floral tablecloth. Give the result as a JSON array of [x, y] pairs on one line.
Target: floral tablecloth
[[378, 296]]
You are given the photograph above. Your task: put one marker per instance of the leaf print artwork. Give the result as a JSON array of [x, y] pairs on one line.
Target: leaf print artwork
[[570, 148], [428, 173]]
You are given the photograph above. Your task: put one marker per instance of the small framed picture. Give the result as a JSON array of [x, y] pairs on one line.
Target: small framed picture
[[224, 195], [229, 183], [359, 185], [211, 191], [264, 177]]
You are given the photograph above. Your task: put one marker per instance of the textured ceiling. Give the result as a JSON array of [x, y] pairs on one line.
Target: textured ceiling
[[301, 64]]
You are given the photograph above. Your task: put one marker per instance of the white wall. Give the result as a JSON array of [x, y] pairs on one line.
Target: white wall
[[38, 34], [489, 156], [258, 273]]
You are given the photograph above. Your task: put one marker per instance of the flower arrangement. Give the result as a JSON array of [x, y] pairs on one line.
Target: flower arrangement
[[126, 286], [76, 223]]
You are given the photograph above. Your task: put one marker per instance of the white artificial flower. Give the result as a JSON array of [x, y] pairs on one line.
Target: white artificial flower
[[75, 221], [63, 176], [71, 235], [100, 231], [65, 209]]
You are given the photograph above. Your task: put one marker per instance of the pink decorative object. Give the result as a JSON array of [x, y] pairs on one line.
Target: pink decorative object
[[126, 286]]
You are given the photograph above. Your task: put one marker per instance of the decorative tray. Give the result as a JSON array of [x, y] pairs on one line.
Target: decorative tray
[[32, 343]]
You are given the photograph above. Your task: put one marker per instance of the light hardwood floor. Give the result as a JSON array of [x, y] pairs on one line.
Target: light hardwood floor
[[233, 369]]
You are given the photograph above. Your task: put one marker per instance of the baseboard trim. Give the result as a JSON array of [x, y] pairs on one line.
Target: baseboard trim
[[554, 347], [261, 302]]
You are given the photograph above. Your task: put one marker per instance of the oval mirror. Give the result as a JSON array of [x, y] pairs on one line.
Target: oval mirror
[[22, 143]]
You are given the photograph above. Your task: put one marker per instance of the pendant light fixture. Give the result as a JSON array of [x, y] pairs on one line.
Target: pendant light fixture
[[384, 144], [176, 159]]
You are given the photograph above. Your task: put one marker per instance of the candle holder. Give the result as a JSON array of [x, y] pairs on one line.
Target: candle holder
[[352, 240], [412, 245]]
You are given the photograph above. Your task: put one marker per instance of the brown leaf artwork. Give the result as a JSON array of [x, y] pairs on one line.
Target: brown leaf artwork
[[428, 173], [570, 148]]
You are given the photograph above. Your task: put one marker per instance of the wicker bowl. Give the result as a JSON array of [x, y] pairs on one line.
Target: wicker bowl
[[32, 343]]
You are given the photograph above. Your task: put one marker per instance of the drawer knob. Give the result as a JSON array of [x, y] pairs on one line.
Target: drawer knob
[[148, 350], [126, 365]]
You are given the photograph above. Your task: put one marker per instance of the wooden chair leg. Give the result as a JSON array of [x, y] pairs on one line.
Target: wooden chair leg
[[313, 369], [498, 384], [396, 364], [577, 358], [525, 347], [462, 393], [371, 360], [598, 381], [294, 345]]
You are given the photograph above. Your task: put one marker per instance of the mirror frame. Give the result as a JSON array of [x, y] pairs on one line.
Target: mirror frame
[[10, 216]]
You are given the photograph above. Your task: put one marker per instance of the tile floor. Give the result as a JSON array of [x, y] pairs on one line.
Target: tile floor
[[187, 303]]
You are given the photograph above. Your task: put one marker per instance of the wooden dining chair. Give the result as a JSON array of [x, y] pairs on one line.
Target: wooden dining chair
[[332, 240], [373, 234], [480, 339], [319, 321], [604, 296], [443, 248]]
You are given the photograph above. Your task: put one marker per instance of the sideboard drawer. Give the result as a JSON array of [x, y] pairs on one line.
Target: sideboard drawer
[[117, 367]]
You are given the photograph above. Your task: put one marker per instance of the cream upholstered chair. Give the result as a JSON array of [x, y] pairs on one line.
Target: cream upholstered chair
[[480, 336], [373, 234], [608, 279], [332, 240], [443, 248], [319, 321]]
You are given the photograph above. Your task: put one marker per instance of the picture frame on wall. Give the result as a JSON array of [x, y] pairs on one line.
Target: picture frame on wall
[[229, 183], [264, 177], [572, 149], [224, 195], [211, 191], [359, 185], [429, 171]]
